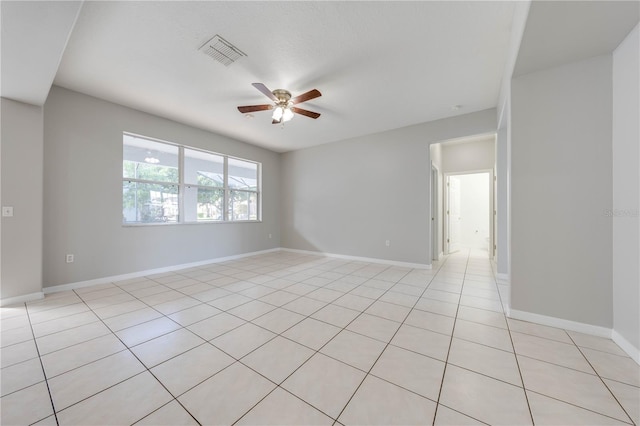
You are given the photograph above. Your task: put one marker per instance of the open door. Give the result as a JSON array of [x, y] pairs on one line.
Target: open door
[[453, 214]]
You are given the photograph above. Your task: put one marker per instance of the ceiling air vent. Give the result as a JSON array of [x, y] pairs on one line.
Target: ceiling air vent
[[222, 51]]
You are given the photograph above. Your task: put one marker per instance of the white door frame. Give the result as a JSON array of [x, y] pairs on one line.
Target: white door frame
[[447, 214], [494, 214], [435, 223], [491, 207]]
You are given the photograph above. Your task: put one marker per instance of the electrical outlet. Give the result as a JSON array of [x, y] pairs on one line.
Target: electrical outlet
[[387, 243], [7, 211], [69, 258], [269, 236]]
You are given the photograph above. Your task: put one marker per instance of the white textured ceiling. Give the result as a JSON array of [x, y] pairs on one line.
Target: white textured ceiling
[[379, 65], [33, 36], [561, 32]]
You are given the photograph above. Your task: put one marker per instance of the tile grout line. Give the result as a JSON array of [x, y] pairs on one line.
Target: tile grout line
[[42, 301], [116, 286], [580, 407], [389, 343], [44, 373], [146, 369], [238, 360], [182, 327], [316, 351], [515, 355], [245, 321], [276, 308], [374, 363], [147, 306], [524, 388], [595, 373], [432, 278], [602, 380], [446, 362], [204, 343], [163, 284]]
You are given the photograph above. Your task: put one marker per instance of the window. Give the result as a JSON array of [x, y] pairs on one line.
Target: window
[[168, 183], [204, 186], [150, 185], [243, 184]]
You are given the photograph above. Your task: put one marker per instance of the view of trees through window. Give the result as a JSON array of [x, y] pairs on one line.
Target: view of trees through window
[[167, 183]]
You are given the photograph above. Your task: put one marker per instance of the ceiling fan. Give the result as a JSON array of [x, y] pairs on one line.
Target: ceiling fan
[[283, 107]]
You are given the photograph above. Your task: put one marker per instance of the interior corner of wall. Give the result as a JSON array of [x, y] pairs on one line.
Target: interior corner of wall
[[626, 346]]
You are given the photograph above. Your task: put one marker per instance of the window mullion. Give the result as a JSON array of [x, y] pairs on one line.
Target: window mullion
[[259, 193], [227, 194], [181, 185]]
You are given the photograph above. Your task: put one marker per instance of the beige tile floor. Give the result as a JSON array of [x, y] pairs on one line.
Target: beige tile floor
[[288, 338]]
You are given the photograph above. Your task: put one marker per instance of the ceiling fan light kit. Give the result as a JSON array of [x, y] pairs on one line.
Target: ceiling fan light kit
[[283, 106], [282, 112]]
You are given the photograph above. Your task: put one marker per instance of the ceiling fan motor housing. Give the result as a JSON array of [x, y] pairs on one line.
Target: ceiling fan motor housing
[[283, 96]]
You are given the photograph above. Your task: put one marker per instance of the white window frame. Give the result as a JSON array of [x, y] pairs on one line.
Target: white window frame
[[182, 185]]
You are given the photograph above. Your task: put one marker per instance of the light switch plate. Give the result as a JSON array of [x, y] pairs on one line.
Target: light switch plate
[[7, 211]]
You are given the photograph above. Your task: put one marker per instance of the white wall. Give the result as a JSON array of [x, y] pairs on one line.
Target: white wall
[[83, 195], [502, 199], [626, 193], [349, 197], [561, 163], [474, 210], [22, 151], [470, 156]]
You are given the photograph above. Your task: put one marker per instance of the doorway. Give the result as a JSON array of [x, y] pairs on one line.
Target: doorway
[[469, 207]]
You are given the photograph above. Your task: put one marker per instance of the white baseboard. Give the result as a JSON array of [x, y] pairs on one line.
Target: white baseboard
[[104, 280], [505, 298], [507, 310], [362, 259], [580, 327], [626, 346], [502, 278], [21, 299], [504, 288]]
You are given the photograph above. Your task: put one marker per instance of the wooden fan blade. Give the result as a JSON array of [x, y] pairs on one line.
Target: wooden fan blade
[[311, 94], [262, 88], [253, 108], [276, 121], [301, 111]]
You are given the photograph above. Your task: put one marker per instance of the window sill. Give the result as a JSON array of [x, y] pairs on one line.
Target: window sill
[[137, 225]]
